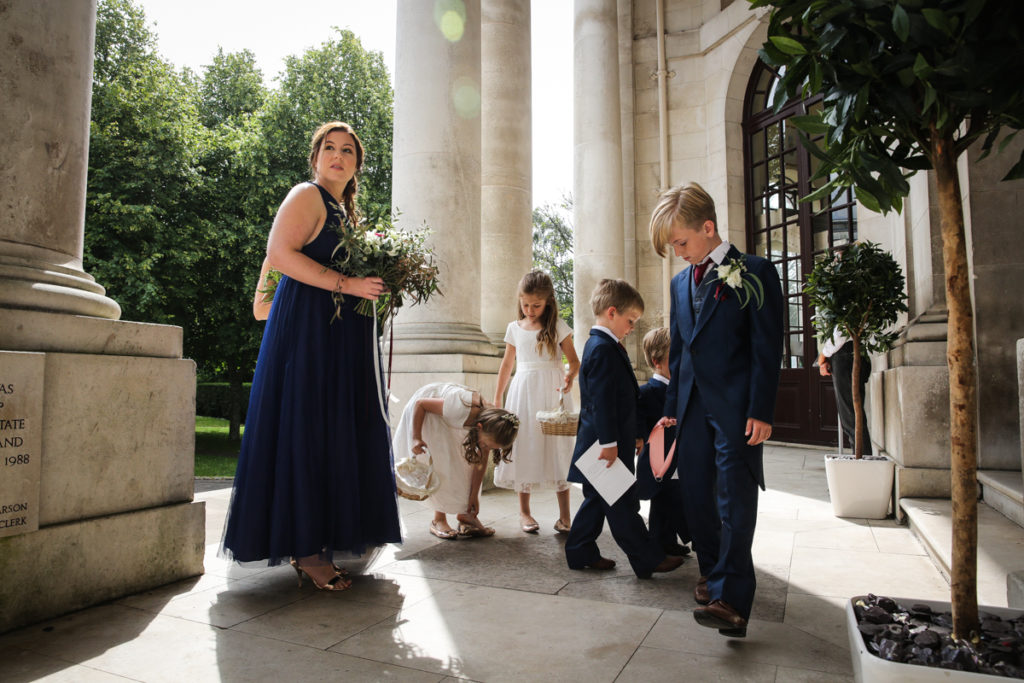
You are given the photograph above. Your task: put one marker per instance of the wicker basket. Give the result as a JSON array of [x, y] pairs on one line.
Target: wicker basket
[[558, 422], [416, 479]]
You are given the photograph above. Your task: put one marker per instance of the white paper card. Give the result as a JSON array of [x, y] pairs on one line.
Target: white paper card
[[610, 482]]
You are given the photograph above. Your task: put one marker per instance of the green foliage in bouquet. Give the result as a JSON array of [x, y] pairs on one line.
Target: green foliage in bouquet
[[270, 288], [400, 257]]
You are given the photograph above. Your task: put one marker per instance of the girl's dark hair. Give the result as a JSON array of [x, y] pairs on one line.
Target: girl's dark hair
[[497, 423], [538, 283], [348, 195]]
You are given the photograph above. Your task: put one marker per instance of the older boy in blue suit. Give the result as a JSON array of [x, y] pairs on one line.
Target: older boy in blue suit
[[725, 357], [608, 396]]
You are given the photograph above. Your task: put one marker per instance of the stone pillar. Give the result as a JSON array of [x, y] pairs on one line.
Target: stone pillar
[[45, 123], [597, 176], [995, 247], [436, 179], [113, 443], [506, 223]]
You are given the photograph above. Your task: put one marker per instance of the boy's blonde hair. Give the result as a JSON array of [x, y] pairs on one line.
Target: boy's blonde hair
[[617, 294], [689, 204], [656, 345]]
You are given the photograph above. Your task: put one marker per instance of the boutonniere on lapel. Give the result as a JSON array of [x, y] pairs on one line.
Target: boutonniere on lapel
[[747, 286]]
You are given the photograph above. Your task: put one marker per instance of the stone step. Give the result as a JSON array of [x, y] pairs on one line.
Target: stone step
[[1003, 490], [1000, 544]]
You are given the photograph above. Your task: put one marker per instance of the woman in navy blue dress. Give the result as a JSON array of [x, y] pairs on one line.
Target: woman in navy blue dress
[[315, 471]]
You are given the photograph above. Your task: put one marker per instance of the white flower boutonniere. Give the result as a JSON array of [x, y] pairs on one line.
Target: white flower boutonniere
[[746, 285]]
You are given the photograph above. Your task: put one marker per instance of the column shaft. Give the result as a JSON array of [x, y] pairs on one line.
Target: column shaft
[[436, 176], [506, 197], [44, 126], [597, 176]]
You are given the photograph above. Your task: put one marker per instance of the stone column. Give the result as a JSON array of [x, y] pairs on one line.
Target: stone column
[[104, 410], [506, 223], [597, 176], [436, 179], [44, 122]]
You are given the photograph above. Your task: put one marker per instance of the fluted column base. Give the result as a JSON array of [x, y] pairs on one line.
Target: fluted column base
[[31, 279]]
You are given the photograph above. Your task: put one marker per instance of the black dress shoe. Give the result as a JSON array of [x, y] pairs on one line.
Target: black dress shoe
[[734, 632], [676, 550], [700, 591], [602, 563], [668, 564], [722, 616]]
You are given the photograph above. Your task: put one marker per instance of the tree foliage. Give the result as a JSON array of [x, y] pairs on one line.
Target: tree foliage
[[895, 76], [144, 140], [552, 251]]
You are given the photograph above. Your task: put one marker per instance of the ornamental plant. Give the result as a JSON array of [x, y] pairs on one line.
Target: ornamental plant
[[909, 85], [857, 291], [399, 257]]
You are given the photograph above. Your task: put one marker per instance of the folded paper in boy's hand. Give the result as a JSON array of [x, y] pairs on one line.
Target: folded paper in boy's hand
[[610, 482]]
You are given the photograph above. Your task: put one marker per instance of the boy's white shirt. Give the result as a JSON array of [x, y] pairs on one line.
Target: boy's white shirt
[[660, 378]]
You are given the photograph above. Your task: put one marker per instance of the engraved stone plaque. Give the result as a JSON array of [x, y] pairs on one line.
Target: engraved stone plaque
[[21, 424]]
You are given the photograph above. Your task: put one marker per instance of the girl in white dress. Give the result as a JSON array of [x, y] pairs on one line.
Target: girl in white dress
[[534, 344], [460, 430]]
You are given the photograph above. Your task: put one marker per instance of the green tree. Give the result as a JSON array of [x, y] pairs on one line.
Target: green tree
[[859, 292], [231, 89], [222, 336], [910, 85], [141, 225], [552, 250]]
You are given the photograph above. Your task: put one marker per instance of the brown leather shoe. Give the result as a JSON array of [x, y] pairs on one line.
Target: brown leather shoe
[[602, 563], [721, 615], [668, 564], [700, 591]]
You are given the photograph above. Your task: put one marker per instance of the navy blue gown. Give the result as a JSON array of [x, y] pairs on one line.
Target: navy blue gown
[[315, 472]]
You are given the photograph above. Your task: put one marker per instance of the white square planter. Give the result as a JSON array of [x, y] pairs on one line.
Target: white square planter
[[859, 488], [870, 668]]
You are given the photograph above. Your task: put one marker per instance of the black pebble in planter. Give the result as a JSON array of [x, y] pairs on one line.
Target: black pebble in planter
[[909, 640]]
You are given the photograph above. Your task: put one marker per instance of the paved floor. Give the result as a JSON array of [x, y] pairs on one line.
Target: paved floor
[[499, 609]]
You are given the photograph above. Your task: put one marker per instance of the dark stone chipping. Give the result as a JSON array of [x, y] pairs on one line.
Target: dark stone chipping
[[920, 635]]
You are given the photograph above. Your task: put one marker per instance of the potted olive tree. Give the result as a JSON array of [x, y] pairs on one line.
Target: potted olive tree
[[909, 86], [858, 293]]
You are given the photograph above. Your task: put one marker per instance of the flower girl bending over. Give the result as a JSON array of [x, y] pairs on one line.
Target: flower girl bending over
[[534, 344], [460, 430]]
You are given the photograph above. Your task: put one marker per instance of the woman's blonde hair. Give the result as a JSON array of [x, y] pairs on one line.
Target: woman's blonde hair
[[348, 195], [538, 283], [501, 426], [689, 204]]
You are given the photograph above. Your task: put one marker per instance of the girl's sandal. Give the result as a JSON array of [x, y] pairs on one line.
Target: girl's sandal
[[446, 534], [561, 527], [473, 531]]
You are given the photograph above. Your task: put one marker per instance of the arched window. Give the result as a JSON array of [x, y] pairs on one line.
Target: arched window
[[792, 235]]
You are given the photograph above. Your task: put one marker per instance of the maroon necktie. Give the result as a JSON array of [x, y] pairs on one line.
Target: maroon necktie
[[699, 270]]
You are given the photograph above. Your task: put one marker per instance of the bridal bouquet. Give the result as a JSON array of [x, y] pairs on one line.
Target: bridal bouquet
[[400, 257]]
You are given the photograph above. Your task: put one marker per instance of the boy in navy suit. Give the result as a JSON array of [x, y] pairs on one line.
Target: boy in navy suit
[[608, 401], [667, 518], [725, 358]]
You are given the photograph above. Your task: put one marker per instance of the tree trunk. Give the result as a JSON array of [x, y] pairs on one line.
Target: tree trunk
[[235, 408], [858, 401], [963, 392]]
